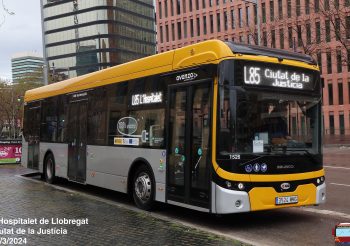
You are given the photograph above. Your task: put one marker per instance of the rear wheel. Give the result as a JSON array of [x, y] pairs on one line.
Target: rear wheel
[[49, 169], [143, 188]]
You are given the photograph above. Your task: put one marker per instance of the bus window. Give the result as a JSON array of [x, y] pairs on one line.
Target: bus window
[[48, 128], [61, 124], [150, 128], [97, 125]]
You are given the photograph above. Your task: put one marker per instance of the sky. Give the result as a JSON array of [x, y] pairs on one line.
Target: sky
[[20, 32]]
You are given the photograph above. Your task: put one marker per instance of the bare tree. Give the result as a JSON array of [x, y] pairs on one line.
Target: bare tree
[[305, 32], [11, 110], [338, 16], [6, 12]]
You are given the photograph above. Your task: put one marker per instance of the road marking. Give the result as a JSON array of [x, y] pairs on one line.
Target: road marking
[[346, 168], [340, 184], [327, 212]]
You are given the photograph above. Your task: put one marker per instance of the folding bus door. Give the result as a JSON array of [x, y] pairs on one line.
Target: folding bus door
[[188, 150], [77, 140]]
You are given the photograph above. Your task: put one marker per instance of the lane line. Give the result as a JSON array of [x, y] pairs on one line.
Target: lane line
[[340, 184], [326, 212], [345, 168]]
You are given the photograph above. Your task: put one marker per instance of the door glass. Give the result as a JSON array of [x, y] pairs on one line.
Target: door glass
[[200, 142], [73, 135], [177, 158], [34, 137], [81, 175]]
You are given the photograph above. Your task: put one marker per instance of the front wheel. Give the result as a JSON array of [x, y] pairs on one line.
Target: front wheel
[[143, 188], [49, 171]]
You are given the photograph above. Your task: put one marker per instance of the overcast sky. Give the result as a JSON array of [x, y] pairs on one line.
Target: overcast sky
[[20, 32]]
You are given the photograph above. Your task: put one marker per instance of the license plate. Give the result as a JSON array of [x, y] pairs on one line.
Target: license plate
[[286, 200]]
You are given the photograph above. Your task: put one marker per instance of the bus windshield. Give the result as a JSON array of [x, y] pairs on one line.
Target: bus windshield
[[259, 122]]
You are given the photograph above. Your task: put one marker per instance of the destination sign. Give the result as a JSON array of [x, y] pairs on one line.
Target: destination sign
[[139, 99], [277, 76]]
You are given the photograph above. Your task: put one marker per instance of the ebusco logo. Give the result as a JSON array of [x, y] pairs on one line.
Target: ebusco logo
[[186, 77]]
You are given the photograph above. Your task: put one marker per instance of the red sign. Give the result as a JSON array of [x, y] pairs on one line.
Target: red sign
[[10, 151]]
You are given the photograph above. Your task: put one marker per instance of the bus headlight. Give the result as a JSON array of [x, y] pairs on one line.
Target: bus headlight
[[241, 186]]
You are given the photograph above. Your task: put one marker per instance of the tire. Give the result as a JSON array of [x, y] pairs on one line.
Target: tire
[[143, 188], [49, 171]]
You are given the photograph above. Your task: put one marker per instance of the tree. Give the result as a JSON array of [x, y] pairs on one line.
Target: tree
[[307, 33], [11, 110], [338, 17]]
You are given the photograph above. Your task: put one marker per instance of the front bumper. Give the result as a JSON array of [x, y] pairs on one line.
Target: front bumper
[[263, 198]]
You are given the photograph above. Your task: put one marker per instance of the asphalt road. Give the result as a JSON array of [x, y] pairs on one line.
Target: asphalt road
[[297, 226], [337, 166], [290, 226]]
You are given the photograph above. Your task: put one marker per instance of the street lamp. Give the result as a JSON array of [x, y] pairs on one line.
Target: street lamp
[[255, 2]]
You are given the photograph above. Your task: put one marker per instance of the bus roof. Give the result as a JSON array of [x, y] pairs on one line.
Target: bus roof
[[192, 55], [265, 51], [211, 51]]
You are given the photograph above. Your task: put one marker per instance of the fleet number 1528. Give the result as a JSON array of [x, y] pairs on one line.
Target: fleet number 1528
[[235, 157]]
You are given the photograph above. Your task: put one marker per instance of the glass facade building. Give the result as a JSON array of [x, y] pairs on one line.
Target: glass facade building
[[83, 36], [25, 65]]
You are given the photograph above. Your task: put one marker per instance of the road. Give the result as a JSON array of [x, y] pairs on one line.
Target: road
[[337, 166], [290, 226]]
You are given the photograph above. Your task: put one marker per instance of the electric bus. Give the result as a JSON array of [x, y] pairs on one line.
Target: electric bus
[[216, 126]]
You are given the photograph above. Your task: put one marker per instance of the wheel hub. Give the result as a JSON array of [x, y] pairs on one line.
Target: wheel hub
[[143, 187]]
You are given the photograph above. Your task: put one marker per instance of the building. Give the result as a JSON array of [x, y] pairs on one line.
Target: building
[[27, 65], [320, 28], [82, 36]]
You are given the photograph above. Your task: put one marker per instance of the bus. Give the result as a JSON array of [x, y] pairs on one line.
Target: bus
[[216, 126]]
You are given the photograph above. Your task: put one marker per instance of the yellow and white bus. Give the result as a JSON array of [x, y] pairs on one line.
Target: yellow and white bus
[[216, 126]]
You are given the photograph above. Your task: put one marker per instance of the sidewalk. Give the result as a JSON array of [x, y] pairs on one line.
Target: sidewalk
[[107, 224]]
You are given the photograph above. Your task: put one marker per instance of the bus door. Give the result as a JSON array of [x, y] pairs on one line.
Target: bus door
[[34, 135], [77, 139], [188, 147]]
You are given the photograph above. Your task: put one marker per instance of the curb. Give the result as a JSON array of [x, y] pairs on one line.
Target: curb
[[135, 209]]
